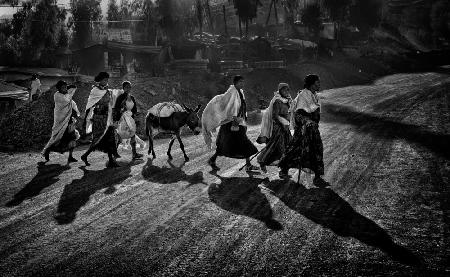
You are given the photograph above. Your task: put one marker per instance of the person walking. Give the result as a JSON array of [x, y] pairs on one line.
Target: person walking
[[305, 151], [35, 88], [275, 127], [99, 120], [126, 107], [64, 134], [229, 111]]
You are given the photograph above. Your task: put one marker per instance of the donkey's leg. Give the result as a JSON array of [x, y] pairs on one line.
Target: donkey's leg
[[186, 158], [170, 147], [150, 147], [150, 143]]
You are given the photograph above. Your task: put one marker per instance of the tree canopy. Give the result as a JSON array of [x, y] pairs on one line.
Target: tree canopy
[[311, 18], [84, 11], [246, 10], [337, 8], [365, 14]]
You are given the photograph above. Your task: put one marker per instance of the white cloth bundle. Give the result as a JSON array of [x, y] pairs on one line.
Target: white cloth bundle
[[220, 110], [127, 125], [95, 96], [267, 120], [165, 109], [305, 100], [64, 105]]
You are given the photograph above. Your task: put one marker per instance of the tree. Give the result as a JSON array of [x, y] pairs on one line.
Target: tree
[[20, 18], [125, 14], [311, 19], [439, 20], [46, 20], [246, 11], [291, 8], [63, 39], [365, 14], [199, 12], [83, 12], [337, 10], [273, 3], [113, 13], [148, 11]]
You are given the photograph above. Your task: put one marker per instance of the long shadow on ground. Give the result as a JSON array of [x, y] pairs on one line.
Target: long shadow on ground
[[169, 175], [242, 196], [77, 193], [328, 209], [387, 128], [47, 175]]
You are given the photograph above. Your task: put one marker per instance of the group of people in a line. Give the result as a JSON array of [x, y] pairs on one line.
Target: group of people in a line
[[104, 109], [303, 150], [228, 112]]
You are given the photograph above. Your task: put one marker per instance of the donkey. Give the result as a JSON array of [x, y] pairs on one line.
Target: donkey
[[172, 125]]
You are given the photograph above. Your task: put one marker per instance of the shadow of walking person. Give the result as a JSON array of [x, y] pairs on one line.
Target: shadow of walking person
[[77, 193], [47, 175], [242, 196], [323, 206], [171, 174]]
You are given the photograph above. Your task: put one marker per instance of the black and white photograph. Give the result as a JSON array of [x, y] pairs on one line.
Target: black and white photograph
[[225, 138]]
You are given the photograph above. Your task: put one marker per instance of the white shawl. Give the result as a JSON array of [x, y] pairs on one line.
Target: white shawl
[[95, 96], [220, 110], [267, 118], [61, 115], [305, 100]]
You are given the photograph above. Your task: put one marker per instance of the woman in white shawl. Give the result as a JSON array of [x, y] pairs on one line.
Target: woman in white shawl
[[275, 127], [99, 120], [229, 111], [305, 152], [64, 135]]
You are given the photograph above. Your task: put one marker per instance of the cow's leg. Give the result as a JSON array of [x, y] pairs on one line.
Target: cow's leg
[[170, 147], [186, 158]]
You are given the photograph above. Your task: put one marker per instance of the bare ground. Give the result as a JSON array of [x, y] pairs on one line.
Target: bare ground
[[387, 212]]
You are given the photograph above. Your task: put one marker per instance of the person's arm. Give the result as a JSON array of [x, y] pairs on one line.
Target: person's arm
[[275, 114], [117, 108], [134, 110], [70, 92], [75, 108]]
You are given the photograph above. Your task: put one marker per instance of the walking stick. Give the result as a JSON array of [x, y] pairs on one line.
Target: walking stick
[[251, 159]]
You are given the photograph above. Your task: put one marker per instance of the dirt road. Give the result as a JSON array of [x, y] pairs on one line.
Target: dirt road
[[387, 212]]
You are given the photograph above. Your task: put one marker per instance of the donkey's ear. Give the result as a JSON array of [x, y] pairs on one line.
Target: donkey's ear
[[198, 108]]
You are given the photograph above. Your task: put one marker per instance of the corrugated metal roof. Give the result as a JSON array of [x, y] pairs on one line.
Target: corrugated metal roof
[[8, 90]]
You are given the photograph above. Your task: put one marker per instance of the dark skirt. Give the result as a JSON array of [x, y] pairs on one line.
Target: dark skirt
[[103, 141], [68, 140], [234, 144], [305, 151], [276, 145]]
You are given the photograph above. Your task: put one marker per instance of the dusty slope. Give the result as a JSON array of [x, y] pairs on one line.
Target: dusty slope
[[386, 156]]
